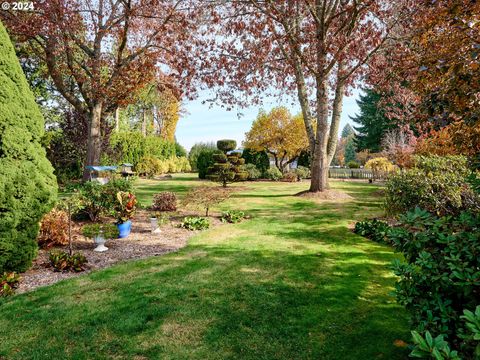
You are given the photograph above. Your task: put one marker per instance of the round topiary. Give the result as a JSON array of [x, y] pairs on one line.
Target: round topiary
[[226, 145], [28, 188], [220, 158]]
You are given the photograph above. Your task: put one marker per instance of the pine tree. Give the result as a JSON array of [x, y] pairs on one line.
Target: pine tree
[[347, 131], [373, 122], [350, 154], [28, 187]]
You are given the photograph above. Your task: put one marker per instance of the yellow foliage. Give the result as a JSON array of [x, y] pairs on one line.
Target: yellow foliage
[[380, 164], [279, 133]]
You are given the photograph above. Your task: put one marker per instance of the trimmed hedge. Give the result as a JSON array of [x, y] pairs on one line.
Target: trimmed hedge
[[28, 188]]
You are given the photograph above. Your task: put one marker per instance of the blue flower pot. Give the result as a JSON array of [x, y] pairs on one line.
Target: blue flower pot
[[124, 229]]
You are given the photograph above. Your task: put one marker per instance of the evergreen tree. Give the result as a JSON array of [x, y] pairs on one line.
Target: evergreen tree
[[257, 158], [350, 154], [373, 122], [347, 131], [28, 187]]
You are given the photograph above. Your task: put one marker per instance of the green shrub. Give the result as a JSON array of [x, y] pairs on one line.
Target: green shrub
[[273, 174], [8, 283], [204, 162], [165, 201], [374, 229], [195, 223], [195, 152], [63, 261], [232, 216], [258, 158], [226, 145], [437, 184], [132, 146], [441, 275], [252, 171], [353, 165], [94, 199], [28, 188], [149, 166], [303, 172], [227, 168]]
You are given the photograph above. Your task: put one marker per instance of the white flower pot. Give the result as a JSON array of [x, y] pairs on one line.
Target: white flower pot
[[154, 226], [100, 241]]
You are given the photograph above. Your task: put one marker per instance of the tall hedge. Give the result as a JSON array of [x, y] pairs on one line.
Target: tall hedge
[[28, 187], [131, 146]]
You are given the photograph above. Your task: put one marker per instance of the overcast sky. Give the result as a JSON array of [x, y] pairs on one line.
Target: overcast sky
[[202, 123]]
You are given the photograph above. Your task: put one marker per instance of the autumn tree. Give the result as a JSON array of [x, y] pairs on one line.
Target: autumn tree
[[280, 134], [432, 70], [315, 50], [99, 53]]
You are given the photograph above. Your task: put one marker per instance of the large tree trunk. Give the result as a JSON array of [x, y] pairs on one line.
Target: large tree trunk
[[94, 145], [319, 181], [336, 114]]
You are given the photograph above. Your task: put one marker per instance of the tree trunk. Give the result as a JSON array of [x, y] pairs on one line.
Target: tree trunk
[[117, 119], [144, 123], [336, 114], [319, 181], [94, 138]]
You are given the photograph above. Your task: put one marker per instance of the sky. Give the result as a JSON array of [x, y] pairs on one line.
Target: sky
[[202, 123]]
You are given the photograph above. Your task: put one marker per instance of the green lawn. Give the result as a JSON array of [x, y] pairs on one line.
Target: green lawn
[[293, 282]]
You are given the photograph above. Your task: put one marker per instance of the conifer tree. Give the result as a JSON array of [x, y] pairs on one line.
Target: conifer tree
[[28, 187]]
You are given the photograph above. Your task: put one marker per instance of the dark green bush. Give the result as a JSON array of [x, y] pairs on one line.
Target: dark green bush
[[226, 145], [195, 223], [227, 168], [196, 150], [204, 161], [441, 276], [437, 184], [374, 229], [63, 261], [258, 158], [28, 188]]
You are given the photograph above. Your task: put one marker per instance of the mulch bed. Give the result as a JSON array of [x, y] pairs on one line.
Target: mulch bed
[[140, 244]]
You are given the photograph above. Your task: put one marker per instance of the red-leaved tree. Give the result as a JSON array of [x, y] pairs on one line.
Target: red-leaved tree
[[101, 52], [312, 49]]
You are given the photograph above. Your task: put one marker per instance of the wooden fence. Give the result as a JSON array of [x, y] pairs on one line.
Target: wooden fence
[[335, 173]]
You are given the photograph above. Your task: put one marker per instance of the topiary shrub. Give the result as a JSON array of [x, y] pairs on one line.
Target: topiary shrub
[[227, 168], [437, 184], [165, 201], [273, 174], [226, 145], [28, 188]]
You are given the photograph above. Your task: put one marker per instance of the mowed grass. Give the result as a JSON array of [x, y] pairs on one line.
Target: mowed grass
[[293, 282]]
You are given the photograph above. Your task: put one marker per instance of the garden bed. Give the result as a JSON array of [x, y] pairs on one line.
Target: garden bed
[[140, 244]]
